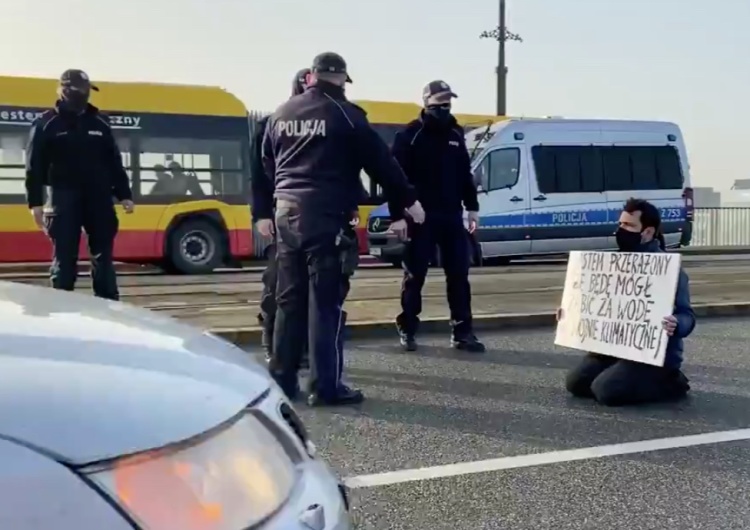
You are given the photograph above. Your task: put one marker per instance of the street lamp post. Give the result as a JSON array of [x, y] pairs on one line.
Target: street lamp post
[[502, 35]]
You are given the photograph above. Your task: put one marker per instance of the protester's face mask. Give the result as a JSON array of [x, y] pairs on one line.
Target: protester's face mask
[[628, 241], [439, 112], [75, 99]]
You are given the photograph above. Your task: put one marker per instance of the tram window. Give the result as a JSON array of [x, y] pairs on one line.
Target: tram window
[[193, 167], [191, 153]]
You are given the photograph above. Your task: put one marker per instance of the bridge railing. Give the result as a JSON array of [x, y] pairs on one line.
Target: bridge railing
[[721, 227]]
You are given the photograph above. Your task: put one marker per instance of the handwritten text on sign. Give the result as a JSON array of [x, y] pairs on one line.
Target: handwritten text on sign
[[614, 303]]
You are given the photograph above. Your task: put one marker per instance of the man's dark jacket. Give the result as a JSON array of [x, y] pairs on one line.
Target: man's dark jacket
[[434, 156]]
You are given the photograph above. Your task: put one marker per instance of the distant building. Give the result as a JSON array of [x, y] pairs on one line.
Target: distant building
[[738, 196], [706, 198]]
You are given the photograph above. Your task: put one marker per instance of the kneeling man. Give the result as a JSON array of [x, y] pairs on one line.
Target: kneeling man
[[616, 382]]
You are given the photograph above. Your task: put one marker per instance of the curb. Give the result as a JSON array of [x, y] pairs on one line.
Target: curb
[[498, 322], [712, 251]]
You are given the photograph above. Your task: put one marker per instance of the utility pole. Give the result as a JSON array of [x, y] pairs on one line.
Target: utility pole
[[501, 34]]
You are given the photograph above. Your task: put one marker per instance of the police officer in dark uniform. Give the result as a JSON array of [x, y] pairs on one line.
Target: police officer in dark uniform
[[315, 146], [73, 152], [262, 209], [432, 152]]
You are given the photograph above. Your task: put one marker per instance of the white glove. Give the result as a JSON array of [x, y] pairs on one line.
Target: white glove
[[416, 212], [473, 219], [265, 227], [400, 228]]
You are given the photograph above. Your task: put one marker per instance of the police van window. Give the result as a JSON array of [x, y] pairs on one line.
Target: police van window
[[544, 165], [592, 171], [643, 168], [482, 174], [668, 170], [617, 172], [503, 168], [190, 167], [12, 172], [568, 169]]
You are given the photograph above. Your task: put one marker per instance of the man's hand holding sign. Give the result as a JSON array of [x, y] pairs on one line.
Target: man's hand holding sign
[[630, 310]]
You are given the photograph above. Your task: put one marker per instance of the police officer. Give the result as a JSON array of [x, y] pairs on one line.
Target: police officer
[[262, 208], [315, 146], [73, 152], [432, 152]]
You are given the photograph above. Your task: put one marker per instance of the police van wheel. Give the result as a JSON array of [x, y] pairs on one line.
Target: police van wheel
[[195, 247]]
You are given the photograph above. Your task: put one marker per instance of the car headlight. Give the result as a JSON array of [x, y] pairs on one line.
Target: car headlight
[[234, 479]]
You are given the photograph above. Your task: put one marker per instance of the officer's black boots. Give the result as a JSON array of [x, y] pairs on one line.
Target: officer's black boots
[[344, 396], [408, 342], [467, 342]]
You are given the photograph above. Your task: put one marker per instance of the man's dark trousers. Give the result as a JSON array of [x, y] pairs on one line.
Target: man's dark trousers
[[70, 212], [448, 233], [267, 316], [309, 285], [617, 382]]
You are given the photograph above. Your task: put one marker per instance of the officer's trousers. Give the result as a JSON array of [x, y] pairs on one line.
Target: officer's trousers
[[449, 235], [69, 213], [308, 295], [267, 315]]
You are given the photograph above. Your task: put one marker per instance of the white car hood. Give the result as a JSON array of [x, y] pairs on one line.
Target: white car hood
[[86, 379]]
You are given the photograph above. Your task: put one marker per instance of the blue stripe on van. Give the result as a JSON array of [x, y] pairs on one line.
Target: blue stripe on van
[[576, 217], [572, 215]]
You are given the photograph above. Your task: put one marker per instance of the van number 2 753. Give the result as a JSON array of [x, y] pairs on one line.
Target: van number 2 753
[[671, 213]]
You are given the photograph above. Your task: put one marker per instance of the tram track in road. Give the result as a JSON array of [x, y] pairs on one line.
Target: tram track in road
[[143, 275], [238, 277], [229, 301]]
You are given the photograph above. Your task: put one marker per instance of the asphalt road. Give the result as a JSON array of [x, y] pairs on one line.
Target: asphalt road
[[437, 407]]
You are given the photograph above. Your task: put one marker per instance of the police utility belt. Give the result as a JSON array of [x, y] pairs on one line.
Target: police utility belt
[[346, 240]]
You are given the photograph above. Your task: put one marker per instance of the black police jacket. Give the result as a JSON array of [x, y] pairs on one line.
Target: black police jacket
[[260, 183], [316, 145], [74, 152], [434, 156]]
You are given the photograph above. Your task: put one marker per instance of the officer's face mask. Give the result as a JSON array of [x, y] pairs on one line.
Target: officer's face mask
[[440, 112], [74, 98]]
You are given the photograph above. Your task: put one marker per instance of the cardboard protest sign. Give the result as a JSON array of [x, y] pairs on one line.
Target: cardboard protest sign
[[614, 302]]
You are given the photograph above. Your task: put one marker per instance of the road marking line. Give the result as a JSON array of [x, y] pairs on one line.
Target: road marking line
[[541, 459]]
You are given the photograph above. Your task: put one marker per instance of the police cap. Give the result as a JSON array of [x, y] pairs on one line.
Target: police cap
[[437, 93], [77, 79], [330, 62]]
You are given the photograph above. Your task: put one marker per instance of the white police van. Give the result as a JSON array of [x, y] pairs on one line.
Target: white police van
[[552, 185]]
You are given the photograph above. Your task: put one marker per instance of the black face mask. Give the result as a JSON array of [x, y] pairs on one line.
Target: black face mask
[[75, 100], [442, 114], [628, 241]]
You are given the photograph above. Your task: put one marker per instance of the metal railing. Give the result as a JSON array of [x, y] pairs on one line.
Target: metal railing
[[721, 227]]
